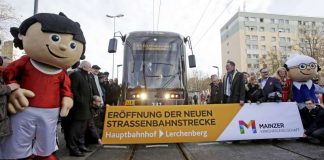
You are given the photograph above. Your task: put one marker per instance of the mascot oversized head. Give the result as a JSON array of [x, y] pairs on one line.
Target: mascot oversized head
[[52, 44], [301, 70]]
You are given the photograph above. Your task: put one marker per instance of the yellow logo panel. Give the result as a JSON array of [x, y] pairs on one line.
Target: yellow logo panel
[[166, 124]]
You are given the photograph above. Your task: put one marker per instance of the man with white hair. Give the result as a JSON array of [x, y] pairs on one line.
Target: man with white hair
[[215, 90], [83, 90]]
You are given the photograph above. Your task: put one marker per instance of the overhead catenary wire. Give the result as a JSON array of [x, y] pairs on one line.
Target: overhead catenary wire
[[158, 20], [153, 14], [203, 35], [202, 15]]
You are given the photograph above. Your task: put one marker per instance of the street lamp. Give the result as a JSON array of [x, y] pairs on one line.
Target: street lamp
[[35, 6], [119, 65], [217, 70], [114, 17]]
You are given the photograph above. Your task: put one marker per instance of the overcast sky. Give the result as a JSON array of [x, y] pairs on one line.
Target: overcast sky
[[181, 16]]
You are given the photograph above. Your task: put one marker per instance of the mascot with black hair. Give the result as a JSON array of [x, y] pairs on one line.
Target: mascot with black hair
[[52, 44], [302, 70]]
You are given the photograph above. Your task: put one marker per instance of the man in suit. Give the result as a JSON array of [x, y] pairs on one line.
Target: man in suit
[[83, 89], [233, 85], [271, 87]]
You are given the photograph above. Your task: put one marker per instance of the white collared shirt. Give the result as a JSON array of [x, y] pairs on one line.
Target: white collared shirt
[[309, 84]]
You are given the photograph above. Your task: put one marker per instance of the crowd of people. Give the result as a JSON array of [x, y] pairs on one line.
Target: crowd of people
[[243, 87], [92, 93]]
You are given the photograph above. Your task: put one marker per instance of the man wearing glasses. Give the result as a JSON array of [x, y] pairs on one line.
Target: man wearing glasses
[[271, 88], [302, 69]]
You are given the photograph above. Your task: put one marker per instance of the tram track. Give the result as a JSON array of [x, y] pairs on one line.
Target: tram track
[[286, 149]]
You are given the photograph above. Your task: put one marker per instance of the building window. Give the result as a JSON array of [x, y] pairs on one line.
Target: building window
[[273, 39], [272, 20], [299, 22], [263, 47], [286, 21], [282, 39], [305, 23], [287, 30], [254, 47], [255, 56], [273, 29], [253, 28], [248, 55], [281, 30], [248, 46], [282, 48], [228, 52], [227, 43], [313, 23], [262, 38], [247, 37], [261, 20], [246, 18], [256, 65], [261, 29], [249, 65], [254, 38], [252, 19], [289, 48], [288, 39], [273, 48], [281, 21], [250, 28]]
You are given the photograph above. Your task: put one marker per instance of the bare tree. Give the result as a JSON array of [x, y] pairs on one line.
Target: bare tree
[[7, 19], [271, 61], [198, 81], [311, 41]]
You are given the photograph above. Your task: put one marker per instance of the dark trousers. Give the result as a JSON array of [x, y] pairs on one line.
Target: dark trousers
[[76, 134], [92, 135], [226, 99], [66, 125], [319, 134]]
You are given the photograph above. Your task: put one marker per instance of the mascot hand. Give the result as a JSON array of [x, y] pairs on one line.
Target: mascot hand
[[67, 104], [18, 100]]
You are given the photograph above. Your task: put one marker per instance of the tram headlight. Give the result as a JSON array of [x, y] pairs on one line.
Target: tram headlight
[[143, 96], [167, 96]]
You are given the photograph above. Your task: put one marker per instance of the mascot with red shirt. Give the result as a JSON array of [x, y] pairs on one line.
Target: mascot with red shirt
[[52, 44]]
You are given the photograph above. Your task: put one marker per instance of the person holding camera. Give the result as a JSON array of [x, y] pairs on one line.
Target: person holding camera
[[271, 87]]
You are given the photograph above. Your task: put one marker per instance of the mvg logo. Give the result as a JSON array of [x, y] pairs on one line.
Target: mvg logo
[[251, 123]]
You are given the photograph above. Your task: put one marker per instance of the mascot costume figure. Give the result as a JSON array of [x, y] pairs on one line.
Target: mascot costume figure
[[301, 70], [52, 44]]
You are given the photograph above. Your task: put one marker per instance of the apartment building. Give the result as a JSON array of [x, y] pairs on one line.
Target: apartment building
[[249, 39]]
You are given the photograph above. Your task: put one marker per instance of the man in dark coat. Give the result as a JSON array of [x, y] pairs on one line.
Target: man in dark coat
[[83, 90], [5, 90], [216, 89], [271, 87], [233, 85], [313, 120]]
